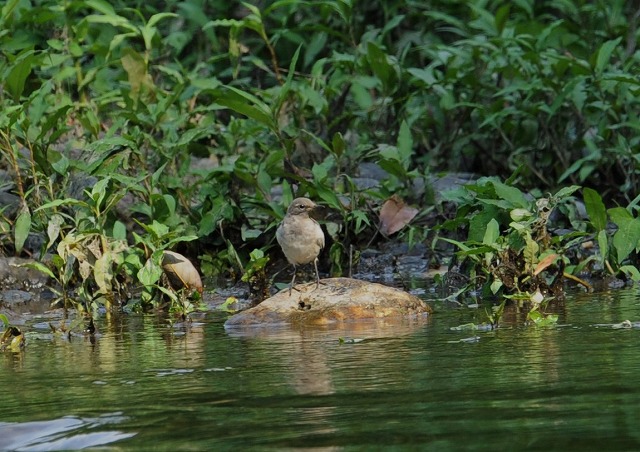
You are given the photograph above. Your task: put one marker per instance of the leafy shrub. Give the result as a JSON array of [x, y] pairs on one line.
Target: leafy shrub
[[201, 119]]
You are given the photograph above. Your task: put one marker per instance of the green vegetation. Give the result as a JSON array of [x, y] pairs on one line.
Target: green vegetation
[[127, 130]]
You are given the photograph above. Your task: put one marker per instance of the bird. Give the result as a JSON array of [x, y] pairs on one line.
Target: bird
[[300, 236]]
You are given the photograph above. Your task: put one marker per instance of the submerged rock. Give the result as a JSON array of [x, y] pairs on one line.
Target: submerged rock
[[335, 300]]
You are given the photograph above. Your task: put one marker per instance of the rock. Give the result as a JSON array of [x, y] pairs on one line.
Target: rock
[[13, 297], [9, 204], [335, 300], [12, 276]]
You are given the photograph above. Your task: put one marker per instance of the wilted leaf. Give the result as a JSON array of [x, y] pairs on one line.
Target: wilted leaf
[[544, 263], [136, 68], [181, 272], [53, 228], [103, 273], [13, 339], [395, 215]]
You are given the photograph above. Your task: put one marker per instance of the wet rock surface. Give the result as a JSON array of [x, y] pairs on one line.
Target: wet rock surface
[[14, 276], [334, 300]]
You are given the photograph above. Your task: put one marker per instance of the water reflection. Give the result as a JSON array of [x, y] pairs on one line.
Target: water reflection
[[307, 351], [66, 433], [403, 385]]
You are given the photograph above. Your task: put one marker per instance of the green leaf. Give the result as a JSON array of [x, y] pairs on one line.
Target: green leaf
[[632, 272], [492, 232], [603, 245], [150, 273], [284, 90], [379, 65], [61, 202], [153, 20], [479, 221], [619, 214], [17, 77], [626, 238], [101, 6], [604, 54], [405, 145], [566, 192], [246, 104], [338, 144], [510, 194], [39, 266], [595, 208], [119, 230], [22, 227]]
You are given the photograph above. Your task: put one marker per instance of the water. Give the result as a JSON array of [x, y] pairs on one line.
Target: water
[[141, 385]]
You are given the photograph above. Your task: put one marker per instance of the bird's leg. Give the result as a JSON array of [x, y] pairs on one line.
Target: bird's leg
[[315, 264], [292, 280]]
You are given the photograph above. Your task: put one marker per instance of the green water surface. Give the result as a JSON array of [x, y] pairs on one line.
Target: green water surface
[[142, 385]]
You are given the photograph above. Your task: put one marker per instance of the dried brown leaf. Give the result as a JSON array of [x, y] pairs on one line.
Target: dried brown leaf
[[181, 272], [544, 263], [395, 215]]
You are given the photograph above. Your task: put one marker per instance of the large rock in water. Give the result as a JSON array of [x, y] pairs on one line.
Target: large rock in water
[[335, 300]]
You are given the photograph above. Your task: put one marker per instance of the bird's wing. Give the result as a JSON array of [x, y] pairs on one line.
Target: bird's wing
[[320, 239], [280, 233]]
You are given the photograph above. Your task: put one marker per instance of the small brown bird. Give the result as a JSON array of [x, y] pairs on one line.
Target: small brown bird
[[300, 236]]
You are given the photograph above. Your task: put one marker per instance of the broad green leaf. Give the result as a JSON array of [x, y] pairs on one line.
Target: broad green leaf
[[511, 194], [150, 273], [119, 230], [595, 208], [603, 245], [632, 272], [619, 215], [17, 76], [626, 238], [99, 191], [22, 227], [379, 64], [492, 232], [604, 54], [158, 229], [8, 8], [245, 104], [478, 223], [338, 144]]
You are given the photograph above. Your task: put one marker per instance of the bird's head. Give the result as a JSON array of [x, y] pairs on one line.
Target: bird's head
[[301, 206]]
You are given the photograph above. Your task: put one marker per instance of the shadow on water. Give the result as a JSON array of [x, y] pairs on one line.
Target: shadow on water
[[144, 385]]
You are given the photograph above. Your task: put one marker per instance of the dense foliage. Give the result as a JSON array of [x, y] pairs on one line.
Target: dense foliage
[[130, 128]]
